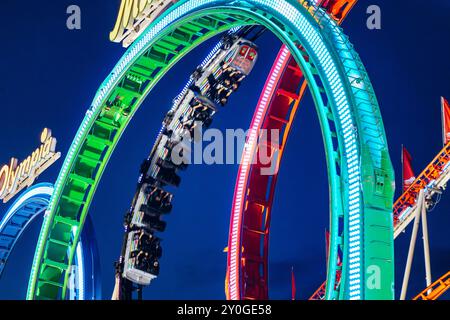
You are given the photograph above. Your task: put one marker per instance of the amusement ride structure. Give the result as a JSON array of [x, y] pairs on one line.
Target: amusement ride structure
[[360, 172], [86, 277], [315, 55]]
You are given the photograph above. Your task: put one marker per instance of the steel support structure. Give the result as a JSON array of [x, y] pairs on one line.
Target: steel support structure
[[359, 167]]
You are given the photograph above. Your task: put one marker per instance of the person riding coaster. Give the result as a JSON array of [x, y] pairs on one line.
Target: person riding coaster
[[153, 222], [168, 176], [202, 109], [211, 85], [145, 262], [149, 243], [159, 199], [182, 149]]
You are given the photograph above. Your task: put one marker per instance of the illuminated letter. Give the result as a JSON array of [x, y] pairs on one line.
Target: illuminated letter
[[48, 143], [143, 4], [22, 170], [4, 177], [232, 136], [129, 11], [34, 160], [123, 20], [213, 153], [13, 175], [74, 20]]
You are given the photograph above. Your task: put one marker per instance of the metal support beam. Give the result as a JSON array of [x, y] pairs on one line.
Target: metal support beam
[[426, 243], [412, 246]]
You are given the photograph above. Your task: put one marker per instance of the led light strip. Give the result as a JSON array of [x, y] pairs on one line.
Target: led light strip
[[350, 143], [249, 150], [31, 193]]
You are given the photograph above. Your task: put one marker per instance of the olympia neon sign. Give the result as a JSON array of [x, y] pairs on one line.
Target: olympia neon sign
[[16, 177], [134, 16]]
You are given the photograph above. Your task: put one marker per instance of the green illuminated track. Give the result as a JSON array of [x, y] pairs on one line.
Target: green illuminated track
[[361, 181]]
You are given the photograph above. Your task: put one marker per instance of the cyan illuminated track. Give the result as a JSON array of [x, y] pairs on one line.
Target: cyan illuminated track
[[15, 222], [360, 171]]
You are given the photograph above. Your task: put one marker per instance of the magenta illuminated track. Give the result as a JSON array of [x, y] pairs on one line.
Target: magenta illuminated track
[[248, 244]]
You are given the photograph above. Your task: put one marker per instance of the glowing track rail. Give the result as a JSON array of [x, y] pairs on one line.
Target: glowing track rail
[[360, 170], [435, 290], [254, 192], [433, 180], [19, 216]]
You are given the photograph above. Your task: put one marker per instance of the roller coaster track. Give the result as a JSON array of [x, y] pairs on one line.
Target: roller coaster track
[[432, 180], [436, 289], [360, 171], [276, 110], [19, 216]]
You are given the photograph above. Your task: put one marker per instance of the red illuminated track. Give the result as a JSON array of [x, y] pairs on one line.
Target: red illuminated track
[[248, 244]]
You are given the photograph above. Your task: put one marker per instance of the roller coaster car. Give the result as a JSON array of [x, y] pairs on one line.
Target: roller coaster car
[[128, 218], [168, 119], [147, 263], [228, 41], [231, 79], [200, 100], [141, 258], [197, 74], [154, 223], [150, 244], [145, 166], [168, 176], [170, 146], [159, 202], [159, 197], [166, 164], [167, 132], [243, 58], [166, 161]]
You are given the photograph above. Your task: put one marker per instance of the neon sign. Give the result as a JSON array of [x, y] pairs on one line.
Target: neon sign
[[15, 177], [134, 17]]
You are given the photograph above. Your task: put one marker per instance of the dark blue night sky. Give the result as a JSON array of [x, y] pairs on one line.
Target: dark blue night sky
[[49, 76]]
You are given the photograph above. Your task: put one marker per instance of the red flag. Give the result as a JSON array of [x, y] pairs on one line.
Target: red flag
[[408, 172], [294, 289], [445, 120]]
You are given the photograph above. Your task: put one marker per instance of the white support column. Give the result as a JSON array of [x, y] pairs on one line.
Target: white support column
[[426, 243], [412, 246], [116, 292]]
